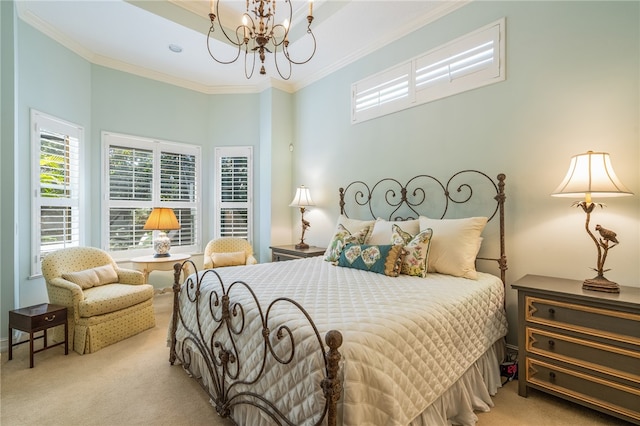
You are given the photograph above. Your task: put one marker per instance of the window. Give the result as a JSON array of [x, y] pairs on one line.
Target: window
[[472, 61], [234, 192], [56, 177], [141, 174]]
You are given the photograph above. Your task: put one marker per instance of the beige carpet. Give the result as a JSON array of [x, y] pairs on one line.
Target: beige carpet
[[132, 383]]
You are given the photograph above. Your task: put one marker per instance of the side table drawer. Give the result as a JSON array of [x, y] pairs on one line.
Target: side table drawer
[[596, 356], [50, 319], [281, 257], [602, 393], [609, 324]]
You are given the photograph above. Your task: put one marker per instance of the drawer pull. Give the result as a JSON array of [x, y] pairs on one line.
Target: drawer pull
[[551, 344], [552, 311], [552, 376], [51, 318]]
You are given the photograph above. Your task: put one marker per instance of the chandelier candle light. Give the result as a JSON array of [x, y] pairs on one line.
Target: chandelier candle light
[[591, 174], [258, 32], [161, 219], [302, 199]]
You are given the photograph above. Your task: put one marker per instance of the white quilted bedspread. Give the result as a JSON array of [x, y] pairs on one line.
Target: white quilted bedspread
[[406, 339]]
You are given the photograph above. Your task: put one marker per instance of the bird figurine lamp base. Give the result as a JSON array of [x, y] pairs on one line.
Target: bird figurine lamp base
[[600, 283], [608, 239]]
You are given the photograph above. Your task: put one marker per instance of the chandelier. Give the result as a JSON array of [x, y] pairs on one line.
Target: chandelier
[[260, 34]]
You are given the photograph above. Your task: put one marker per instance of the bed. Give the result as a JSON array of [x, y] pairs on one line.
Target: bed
[[395, 325]]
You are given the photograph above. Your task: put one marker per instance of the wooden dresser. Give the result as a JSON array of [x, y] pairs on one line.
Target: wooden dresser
[[580, 345]]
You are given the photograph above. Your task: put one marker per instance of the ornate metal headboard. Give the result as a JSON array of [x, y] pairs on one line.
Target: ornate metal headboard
[[467, 193]]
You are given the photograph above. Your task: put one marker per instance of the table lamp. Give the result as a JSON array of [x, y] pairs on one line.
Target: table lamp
[[161, 219], [591, 175], [302, 199]]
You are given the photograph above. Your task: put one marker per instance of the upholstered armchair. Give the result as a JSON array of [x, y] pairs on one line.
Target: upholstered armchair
[[105, 303], [228, 251]]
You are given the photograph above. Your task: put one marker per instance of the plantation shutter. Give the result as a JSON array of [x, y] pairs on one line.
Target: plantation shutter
[[143, 174], [57, 176], [234, 192]]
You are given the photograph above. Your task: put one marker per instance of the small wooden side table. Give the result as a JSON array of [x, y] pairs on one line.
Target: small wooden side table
[[146, 264], [37, 318], [281, 253]]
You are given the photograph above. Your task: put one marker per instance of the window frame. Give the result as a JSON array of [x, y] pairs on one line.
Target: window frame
[[416, 93], [157, 147], [41, 122], [232, 151]]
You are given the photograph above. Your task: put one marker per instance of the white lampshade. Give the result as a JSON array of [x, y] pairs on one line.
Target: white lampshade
[[302, 198], [590, 174]]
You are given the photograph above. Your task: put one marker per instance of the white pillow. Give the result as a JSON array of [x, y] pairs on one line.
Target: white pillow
[[354, 225], [454, 245], [382, 230]]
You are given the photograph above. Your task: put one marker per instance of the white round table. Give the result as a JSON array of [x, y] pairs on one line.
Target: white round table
[[146, 264]]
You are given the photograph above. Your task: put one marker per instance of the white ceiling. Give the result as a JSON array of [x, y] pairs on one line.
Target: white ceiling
[[134, 36]]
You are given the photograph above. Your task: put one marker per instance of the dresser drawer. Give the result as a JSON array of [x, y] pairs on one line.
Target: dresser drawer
[[609, 324], [605, 394], [613, 360]]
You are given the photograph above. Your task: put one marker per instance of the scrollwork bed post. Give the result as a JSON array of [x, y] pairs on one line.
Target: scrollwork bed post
[[501, 198], [332, 385], [177, 268]]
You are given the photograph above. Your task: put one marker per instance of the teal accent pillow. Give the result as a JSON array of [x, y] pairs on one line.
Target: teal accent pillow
[[381, 259]]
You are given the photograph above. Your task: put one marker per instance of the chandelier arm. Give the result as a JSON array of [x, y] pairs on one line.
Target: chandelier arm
[[285, 37], [253, 66], [275, 59], [239, 46], [285, 50], [213, 17]]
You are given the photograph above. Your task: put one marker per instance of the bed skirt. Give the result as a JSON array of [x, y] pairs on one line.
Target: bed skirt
[[456, 406], [472, 392]]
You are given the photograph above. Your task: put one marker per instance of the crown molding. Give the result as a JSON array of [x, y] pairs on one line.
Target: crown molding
[[107, 62], [443, 9]]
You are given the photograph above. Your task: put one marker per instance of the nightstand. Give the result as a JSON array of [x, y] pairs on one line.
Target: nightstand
[[37, 318], [580, 345], [280, 253]]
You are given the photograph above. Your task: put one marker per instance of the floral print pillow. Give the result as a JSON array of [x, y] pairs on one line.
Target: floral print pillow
[[343, 237], [416, 248]]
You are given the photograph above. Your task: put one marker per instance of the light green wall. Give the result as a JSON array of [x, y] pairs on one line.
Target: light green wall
[[56, 81], [8, 259], [124, 103], [52, 79], [572, 85]]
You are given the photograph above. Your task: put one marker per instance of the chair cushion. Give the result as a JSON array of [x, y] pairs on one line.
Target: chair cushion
[[113, 297], [93, 277]]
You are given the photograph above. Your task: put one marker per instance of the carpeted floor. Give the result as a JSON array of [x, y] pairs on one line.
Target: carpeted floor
[[132, 383]]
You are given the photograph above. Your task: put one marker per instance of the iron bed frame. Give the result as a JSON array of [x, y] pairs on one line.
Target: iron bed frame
[[222, 359]]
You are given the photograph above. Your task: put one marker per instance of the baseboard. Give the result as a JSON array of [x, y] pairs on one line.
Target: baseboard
[[4, 344]]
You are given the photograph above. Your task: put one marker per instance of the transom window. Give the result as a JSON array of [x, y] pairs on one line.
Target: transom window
[[473, 60]]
